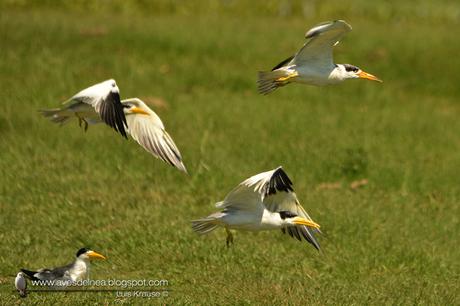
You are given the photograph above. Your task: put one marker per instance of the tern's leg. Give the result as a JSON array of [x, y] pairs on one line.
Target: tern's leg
[[229, 237], [82, 120], [79, 119], [286, 79]]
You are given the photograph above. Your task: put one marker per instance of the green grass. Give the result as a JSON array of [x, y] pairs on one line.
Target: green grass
[[393, 241]]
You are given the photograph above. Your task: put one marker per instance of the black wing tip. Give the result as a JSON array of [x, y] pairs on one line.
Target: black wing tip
[[123, 133], [306, 234], [283, 63], [310, 237], [113, 115], [279, 181], [29, 274]]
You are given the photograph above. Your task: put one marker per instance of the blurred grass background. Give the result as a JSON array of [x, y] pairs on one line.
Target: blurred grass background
[[392, 241]]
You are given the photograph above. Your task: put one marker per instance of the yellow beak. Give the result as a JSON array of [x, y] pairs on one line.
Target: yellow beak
[[368, 76], [137, 110], [303, 221], [94, 255]]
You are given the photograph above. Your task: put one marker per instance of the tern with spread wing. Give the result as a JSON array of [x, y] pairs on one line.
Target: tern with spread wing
[[142, 123], [93, 104], [313, 64], [264, 201], [75, 271]]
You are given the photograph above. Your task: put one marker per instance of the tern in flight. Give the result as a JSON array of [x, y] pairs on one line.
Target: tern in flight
[[101, 102], [265, 201], [313, 64], [95, 103]]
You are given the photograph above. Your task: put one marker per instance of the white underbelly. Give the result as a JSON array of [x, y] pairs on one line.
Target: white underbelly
[[314, 77], [314, 81], [246, 222]]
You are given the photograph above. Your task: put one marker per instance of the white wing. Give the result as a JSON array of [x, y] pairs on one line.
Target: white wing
[[246, 196], [105, 99], [318, 50], [150, 133], [249, 195]]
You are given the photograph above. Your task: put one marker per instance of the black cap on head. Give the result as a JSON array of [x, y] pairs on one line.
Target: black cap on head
[[287, 214], [82, 251], [349, 68]]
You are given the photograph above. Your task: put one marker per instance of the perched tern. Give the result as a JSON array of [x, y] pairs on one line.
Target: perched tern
[[75, 271], [21, 284], [313, 63], [264, 201], [100, 101], [143, 124]]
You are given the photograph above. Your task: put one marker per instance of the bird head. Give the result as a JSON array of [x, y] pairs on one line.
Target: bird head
[[347, 71], [289, 218], [135, 106], [86, 254], [20, 274], [111, 84]]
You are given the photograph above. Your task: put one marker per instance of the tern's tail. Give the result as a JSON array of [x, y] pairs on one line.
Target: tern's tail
[[56, 115], [29, 274], [268, 81], [205, 225]]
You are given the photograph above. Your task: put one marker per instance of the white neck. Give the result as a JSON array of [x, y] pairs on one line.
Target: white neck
[[272, 220], [338, 74]]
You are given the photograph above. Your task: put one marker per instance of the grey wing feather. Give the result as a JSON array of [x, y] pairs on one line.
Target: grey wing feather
[[52, 274], [321, 38]]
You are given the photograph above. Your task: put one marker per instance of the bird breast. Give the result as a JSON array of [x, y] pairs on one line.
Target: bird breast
[[79, 270]]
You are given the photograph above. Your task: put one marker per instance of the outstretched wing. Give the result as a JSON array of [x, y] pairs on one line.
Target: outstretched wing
[[248, 195], [148, 130], [317, 51], [105, 99]]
